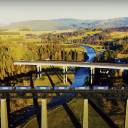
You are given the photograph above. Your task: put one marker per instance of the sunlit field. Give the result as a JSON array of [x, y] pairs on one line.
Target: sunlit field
[[39, 32], [22, 37], [119, 34], [86, 34], [122, 55], [58, 118]]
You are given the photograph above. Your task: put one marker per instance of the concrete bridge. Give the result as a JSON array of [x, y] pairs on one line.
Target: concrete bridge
[[86, 94], [91, 65]]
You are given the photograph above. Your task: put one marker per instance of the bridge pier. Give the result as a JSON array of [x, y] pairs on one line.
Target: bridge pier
[[37, 67], [44, 114], [4, 117], [39, 70], [126, 117], [64, 74], [85, 114], [92, 74]]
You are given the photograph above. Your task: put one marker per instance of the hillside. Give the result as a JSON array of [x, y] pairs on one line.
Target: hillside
[[102, 23], [38, 25], [84, 24], [67, 23]]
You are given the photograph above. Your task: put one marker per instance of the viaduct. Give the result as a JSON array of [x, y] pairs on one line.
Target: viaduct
[[92, 66]]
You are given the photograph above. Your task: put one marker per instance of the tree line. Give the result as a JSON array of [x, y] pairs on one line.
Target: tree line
[[55, 52], [24, 29]]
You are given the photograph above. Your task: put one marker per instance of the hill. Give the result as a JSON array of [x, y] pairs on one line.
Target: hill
[[103, 23], [68, 23], [38, 25]]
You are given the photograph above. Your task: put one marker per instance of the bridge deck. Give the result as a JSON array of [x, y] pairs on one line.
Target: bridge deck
[[75, 64]]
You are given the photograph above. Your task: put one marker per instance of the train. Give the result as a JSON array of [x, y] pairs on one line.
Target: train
[[61, 88]]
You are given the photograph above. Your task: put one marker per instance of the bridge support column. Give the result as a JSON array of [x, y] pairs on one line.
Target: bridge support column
[[37, 71], [4, 117], [85, 115], [66, 74], [44, 114], [126, 117], [92, 73], [63, 74], [40, 71]]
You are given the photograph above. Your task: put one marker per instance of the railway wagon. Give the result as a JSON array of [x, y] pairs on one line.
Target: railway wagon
[[23, 87], [6, 88], [61, 87], [43, 87], [100, 87], [82, 88]]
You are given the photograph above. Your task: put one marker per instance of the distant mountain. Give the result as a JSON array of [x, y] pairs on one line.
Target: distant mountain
[[68, 23], [102, 23], [38, 25]]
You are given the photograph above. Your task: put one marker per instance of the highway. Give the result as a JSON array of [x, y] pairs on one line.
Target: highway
[[75, 64]]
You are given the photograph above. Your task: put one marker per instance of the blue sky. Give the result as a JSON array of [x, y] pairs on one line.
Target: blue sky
[[23, 10]]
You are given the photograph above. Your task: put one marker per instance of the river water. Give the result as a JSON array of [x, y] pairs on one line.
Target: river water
[[79, 80]]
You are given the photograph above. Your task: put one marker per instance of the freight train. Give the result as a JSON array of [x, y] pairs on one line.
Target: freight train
[[60, 88]]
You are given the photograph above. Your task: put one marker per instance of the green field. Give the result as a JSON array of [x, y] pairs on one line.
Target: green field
[[119, 34], [46, 82], [86, 34], [39, 32], [58, 118], [122, 56], [19, 38]]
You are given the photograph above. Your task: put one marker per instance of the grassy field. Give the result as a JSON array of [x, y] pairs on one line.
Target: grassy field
[[86, 34], [116, 35], [58, 118], [122, 55], [23, 33], [39, 32], [44, 80], [119, 34]]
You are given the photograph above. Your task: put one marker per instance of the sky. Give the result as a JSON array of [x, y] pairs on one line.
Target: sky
[[24, 10]]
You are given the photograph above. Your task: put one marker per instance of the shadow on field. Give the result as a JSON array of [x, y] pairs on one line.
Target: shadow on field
[[72, 116], [35, 102], [49, 78], [60, 74], [103, 115]]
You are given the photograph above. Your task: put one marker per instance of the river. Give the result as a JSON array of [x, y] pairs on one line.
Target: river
[[79, 80]]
